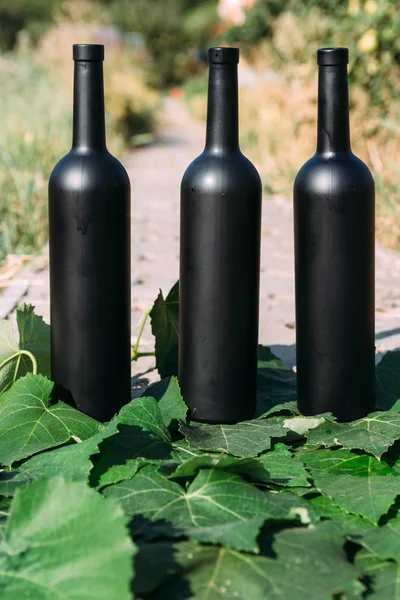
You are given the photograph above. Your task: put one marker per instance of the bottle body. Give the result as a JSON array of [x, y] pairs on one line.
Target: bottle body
[[334, 208], [89, 221], [219, 280]]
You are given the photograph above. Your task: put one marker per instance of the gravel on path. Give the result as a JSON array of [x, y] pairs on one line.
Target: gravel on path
[[155, 172]]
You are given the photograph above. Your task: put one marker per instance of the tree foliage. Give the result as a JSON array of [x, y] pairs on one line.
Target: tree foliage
[[33, 15]]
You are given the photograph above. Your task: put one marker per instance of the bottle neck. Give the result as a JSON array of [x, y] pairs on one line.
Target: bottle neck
[[333, 109], [222, 108], [89, 124]]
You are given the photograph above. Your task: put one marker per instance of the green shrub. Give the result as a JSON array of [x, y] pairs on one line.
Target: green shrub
[[34, 15], [196, 86], [170, 28], [258, 24], [371, 30]]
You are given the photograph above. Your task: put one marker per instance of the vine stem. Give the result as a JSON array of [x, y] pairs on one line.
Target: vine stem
[[18, 356], [135, 350], [141, 354], [18, 362]]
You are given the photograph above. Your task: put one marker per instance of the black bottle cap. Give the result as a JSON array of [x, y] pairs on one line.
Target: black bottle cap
[[88, 52], [219, 55], [329, 57]]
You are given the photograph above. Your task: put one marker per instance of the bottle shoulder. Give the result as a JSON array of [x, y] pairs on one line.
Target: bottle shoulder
[[88, 169], [343, 170], [229, 169]]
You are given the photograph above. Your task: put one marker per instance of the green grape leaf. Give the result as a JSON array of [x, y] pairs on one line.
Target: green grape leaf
[[240, 535], [310, 565], [395, 407], [168, 395], [54, 545], [247, 467], [183, 451], [359, 484], [164, 325], [28, 424], [145, 413], [212, 498], [283, 408], [68, 460], [244, 439], [384, 576], [387, 375], [351, 526], [384, 541], [72, 461], [8, 347], [374, 433], [141, 436], [283, 468], [34, 336]]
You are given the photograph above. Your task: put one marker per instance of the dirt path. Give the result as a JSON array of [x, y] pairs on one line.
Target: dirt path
[[155, 173]]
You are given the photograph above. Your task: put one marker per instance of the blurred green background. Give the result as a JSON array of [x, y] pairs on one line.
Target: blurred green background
[[156, 47]]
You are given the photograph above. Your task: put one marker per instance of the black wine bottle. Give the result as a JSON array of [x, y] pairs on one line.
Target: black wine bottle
[[219, 262], [89, 221], [334, 203]]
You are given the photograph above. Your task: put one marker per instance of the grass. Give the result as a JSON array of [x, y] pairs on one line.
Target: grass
[[36, 129]]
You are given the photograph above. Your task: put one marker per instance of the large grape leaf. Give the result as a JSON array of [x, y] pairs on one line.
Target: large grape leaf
[[318, 551], [395, 407], [384, 541], [34, 336], [310, 565], [374, 433], [63, 540], [383, 576], [276, 385], [289, 407], [387, 375], [248, 467], [28, 424], [282, 467], [142, 435], [168, 395], [352, 526], [165, 325], [359, 484], [145, 413], [73, 461], [240, 535], [212, 498], [68, 460], [183, 451], [247, 438], [8, 348]]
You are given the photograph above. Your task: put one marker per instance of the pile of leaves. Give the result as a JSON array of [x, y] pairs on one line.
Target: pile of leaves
[[151, 506]]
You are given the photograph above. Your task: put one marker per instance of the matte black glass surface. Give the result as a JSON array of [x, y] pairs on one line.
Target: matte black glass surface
[[219, 262], [334, 202], [89, 219]]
